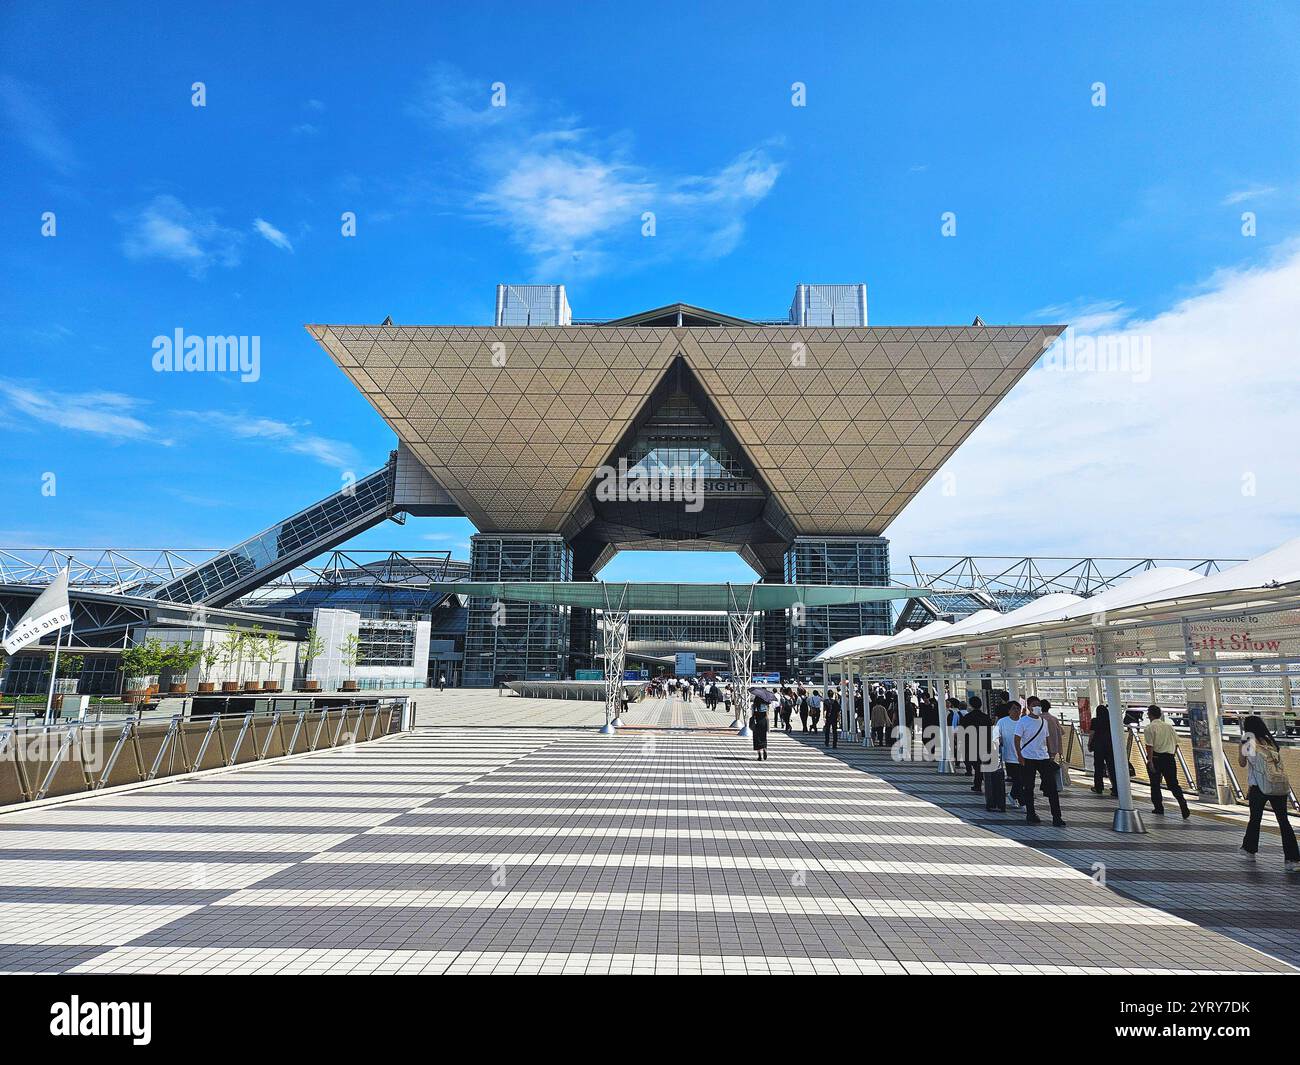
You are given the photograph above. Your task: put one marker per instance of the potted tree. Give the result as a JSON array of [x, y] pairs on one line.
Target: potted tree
[[153, 663], [350, 653], [179, 659], [311, 649], [69, 673], [271, 656], [232, 657], [134, 667], [253, 646], [209, 657]]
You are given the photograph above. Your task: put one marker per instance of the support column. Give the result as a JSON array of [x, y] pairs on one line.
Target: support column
[[866, 702], [614, 621], [945, 740], [740, 637], [1127, 819], [1214, 717], [614, 633], [904, 733], [517, 640], [846, 698]]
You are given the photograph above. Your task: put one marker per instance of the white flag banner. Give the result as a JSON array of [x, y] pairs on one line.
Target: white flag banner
[[48, 614]]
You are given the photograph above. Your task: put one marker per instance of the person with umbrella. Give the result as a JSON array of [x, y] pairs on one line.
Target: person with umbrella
[[758, 720]]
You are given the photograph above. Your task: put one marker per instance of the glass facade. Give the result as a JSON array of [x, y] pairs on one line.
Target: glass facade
[[516, 641], [680, 437], [29, 674], [683, 628], [835, 560], [386, 645], [532, 305], [833, 306], [281, 547]]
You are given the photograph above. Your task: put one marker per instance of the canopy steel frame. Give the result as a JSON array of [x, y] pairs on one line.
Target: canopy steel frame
[[614, 619], [740, 643]]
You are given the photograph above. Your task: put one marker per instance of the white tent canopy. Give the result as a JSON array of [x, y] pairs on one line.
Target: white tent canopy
[[1160, 589], [1281, 566], [980, 617], [1029, 613], [852, 646], [1137, 589]]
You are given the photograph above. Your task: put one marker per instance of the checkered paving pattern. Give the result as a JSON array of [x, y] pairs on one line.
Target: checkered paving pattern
[[460, 707], [522, 849], [1189, 869]]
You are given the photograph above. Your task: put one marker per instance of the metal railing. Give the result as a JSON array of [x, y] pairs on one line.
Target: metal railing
[[39, 763], [1141, 773]]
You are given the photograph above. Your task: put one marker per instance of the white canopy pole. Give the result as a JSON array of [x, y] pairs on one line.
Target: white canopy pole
[[1127, 819], [904, 733], [945, 742]]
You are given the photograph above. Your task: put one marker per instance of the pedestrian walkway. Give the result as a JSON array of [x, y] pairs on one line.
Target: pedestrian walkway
[[1186, 868], [526, 849]]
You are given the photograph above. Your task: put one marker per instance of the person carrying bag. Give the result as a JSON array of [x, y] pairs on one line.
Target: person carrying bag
[[1269, 786]]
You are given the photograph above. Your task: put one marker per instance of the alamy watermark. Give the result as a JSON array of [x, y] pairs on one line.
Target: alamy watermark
[[662, 484], [1124, 353], [180, 353]]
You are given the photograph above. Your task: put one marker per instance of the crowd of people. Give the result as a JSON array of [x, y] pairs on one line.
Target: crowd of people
[[1014, 754]]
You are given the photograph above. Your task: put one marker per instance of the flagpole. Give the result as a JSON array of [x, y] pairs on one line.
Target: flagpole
[[54, 672]]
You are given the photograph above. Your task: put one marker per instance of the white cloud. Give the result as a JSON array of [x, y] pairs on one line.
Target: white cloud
[[1252, 192], [572, 198], [166, 229], [561, 204], [272, 234], [1098, 463], [291, 436], [1098, 316], [448, 99], [34, 124], [107, 414]]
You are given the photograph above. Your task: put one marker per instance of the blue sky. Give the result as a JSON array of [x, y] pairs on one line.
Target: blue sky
[[225, 219]]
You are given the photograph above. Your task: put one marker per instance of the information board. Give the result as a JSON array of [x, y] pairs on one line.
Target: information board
[[1198, 720]]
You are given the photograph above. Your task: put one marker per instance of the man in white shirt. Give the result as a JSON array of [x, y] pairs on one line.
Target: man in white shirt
[[1006, 727], [1032, 753]]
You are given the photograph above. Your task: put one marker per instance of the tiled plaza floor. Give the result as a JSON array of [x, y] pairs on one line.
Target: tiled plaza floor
[[519, 848], [1187, 868]]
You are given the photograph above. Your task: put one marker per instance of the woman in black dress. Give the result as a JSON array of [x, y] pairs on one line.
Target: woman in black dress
[[1103, 753], [758, 727]]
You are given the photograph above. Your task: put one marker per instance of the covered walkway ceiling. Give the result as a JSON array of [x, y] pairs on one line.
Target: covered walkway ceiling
[[625, 595], [1151, 609]]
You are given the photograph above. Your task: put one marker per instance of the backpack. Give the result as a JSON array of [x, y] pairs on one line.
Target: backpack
[[1271, 771]]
